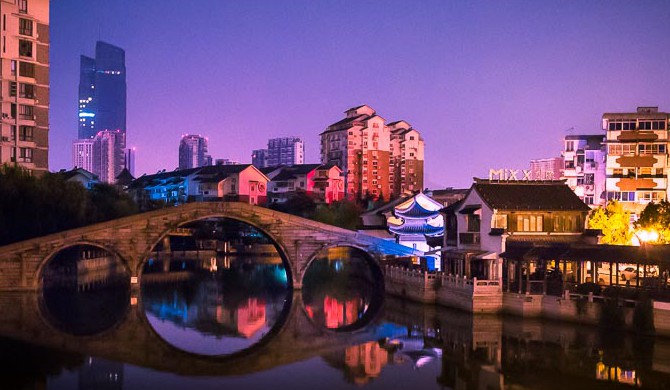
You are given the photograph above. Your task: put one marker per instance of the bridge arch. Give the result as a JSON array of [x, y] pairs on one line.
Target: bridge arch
[[39, 272], [291, 272], [370, 259]]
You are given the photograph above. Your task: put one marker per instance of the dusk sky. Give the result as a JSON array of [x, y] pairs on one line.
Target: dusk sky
[[489, 84]]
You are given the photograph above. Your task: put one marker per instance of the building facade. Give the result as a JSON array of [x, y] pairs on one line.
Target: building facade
[[584, 160], [637, 157], [546, 168], [324, 183], [193, 152], [285, 151], [105, 146], [129, 160], [259, 158], [24, 76], [406, 169], [82, 154]]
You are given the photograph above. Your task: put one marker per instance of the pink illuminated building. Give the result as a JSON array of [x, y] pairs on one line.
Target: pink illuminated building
[[324, 183]]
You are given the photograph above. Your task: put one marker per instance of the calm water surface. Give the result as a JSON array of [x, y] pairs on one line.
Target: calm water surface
[[207, 316]]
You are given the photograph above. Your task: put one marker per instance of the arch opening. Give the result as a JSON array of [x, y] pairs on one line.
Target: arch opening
[[342, 289], [85, 290], [215, 287]]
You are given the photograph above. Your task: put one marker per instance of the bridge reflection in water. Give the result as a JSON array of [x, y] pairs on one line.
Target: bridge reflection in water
[[205, 309]]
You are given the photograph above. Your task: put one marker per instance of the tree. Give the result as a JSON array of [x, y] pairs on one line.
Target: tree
[[656, 217], [614, 222]]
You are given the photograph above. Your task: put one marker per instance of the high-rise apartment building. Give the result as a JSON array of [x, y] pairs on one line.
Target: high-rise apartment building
[[193, 152], [584, 159], [546, 168], [637, 157], [24, 77], [102, 101], [359, 145], [82, 154], [406, 169], [105, 145], [259, 158], [285, 151]]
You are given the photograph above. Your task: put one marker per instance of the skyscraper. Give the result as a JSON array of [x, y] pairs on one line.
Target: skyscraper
[[285, 151], [82, 154], [105, 145], [193, 152], [102, 100], [24, 60]]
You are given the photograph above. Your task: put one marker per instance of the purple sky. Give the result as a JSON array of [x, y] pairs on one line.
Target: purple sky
[[488, 84]]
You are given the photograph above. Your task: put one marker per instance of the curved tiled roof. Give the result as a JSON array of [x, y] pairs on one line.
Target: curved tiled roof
[[530, 196]]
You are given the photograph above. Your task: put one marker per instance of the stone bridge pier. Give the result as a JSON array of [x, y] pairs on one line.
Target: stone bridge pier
[[132, 239]]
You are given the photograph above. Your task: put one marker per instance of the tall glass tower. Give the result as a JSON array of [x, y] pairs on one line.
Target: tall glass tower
[[102, 100]]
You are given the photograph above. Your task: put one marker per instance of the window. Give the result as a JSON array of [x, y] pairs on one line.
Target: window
[[588, 200], [26, 27], [645, 125], [12, 133], [12, 88], [25, 155], [474, 222], [651, 148], [26, 133], [651, 196], [27, 91], [622, 196], [25, 48], [23, 6], [26, 112], [569, 146], [658, 125], [619, 124], [500, 221], [566, 223], [26, 69], [529, 223], [589, 178], [12, 154], [13, 67]]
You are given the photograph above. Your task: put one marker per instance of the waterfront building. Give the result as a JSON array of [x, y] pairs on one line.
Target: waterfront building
[[285, 151], [106, 144], [24, 77], [406, 165], [82, 154], [637, 157], [359, 145], [324, 183], [584, 167], [418, 224], [546, 168], [102, 103], [193, 152], [235, 183], [259, 158]]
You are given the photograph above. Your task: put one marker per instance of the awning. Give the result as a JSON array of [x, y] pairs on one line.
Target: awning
[[487, 256], [469, 209]]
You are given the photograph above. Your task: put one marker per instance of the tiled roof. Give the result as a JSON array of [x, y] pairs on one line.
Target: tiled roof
[[530, 196]]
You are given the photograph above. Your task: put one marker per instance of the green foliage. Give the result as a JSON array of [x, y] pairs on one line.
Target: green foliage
[[656, 217], [35, 206], [614, 222], [344, 214]]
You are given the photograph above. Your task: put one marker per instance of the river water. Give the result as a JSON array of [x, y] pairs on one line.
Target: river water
[[202, 320]]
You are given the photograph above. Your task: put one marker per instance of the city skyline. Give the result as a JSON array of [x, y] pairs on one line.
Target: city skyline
[[485, 80]]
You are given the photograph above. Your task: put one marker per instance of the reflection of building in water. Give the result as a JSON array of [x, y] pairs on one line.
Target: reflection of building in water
[[337, 313], [616, 374], [100, 374], [248, 318], [364, 362]]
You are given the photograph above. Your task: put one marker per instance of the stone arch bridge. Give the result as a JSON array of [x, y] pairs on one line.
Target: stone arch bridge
[[132, 239]]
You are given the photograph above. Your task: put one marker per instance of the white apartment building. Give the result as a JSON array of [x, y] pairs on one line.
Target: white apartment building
[[407, 159], [82, 154], [637, 157], [584, 158]]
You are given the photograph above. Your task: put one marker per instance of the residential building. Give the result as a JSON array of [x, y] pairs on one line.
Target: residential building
[[637, 157], [259, 158], [497, 216], [105, 147], [24, 79], [584, 158], [406, 167], [241, 182], [285, 151], [82, 154], [359, 145], [225, 161], [102, 101], [324, 183], [193, 152], [546, 168], [447, 196], [80, 175]]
